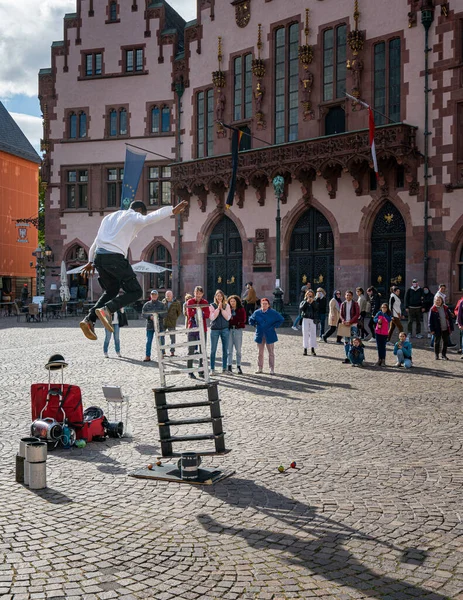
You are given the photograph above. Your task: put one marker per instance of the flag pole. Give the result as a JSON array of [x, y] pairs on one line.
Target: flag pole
[[365, 105]]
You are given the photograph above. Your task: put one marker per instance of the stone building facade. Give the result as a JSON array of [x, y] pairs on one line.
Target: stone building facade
[[135, 72]]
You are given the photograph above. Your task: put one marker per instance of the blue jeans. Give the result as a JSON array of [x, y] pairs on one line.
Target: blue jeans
[[297, 319], [356, 359], [348, 340], [406, 362], [217, 334], [149, 341], [235, 340], [107, 339]]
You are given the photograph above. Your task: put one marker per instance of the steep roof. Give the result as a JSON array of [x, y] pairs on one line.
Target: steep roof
[[173, 20], [12, 139]]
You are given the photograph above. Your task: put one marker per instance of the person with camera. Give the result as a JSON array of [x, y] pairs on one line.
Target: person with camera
[[219, 316]]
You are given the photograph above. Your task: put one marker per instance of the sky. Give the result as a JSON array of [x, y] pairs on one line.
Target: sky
[[27, 29]]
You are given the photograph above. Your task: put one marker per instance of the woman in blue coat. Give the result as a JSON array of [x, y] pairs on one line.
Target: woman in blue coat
[[266, 320]]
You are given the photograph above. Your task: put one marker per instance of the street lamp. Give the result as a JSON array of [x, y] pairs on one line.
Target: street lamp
[[39, 267], [278, 187]]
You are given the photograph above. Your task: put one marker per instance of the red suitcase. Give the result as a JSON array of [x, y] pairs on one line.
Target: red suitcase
[[64, 402]]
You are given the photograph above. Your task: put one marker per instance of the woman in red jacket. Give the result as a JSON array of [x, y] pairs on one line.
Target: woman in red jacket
[[236, 324]]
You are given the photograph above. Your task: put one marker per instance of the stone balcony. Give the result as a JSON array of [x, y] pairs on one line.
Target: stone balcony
[[304, 160]]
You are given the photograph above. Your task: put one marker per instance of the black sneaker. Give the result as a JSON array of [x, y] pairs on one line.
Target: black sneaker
[[305, 352], [229, 369], [313, 352], [191, 375], [346, 361], [241, 372]]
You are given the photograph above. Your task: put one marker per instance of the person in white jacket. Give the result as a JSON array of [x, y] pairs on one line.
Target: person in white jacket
[[108, 254]]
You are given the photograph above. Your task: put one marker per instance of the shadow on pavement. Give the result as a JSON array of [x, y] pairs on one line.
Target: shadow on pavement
[[52, 496], [321, 547]]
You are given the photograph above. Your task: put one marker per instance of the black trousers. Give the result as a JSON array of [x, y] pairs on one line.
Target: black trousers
[[250, 308], [445, 337], [330, 332], [115, 272]]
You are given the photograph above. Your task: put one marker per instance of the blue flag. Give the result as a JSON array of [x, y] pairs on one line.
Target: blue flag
[[133, 168]]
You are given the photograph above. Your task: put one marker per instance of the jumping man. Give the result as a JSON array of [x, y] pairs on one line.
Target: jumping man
[[108, 254]]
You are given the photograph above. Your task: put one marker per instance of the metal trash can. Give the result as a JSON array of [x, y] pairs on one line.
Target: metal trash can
[[35, 466]]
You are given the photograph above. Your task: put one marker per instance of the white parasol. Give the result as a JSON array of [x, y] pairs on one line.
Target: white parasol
[[64, 292], [146, 267]]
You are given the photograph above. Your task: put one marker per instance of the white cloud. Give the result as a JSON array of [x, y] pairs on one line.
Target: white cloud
[[28, 27], [31, 127]]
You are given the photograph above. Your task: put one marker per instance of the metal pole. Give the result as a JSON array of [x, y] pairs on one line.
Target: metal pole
[[427, 16], [179, 88], [278, 186]]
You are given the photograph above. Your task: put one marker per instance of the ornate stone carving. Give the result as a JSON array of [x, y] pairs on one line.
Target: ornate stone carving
[[393, 141], [356, 68], [412, 20], [260, 247], [242, 12], [306, 88]]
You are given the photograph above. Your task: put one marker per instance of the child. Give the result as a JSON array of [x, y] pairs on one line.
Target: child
[[356, 353], [403, 351], [382, 320]]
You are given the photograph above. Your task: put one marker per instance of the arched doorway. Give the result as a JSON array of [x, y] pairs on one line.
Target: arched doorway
[[311, 254], [76, 256], [224, 259], [388, 242]]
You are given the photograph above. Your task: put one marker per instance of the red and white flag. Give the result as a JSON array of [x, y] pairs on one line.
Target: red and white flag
[[371, 125]]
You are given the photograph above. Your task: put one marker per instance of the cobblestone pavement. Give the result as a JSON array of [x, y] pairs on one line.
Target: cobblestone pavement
[[372, 511]]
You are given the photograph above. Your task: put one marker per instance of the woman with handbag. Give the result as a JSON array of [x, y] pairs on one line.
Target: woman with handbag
[[236, 324], [119, 320], [310, 320]]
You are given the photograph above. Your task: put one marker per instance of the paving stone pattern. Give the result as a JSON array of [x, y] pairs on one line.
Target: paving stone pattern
[[373, 509]]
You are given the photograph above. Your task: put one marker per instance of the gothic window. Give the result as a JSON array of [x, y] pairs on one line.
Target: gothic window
[[113, 11], [155, 119], [286, 83], [76, 189], [387, 80], [134, 60], [117, 122], [73, 126], [165, 119], [93, 64], [205, 123], [159, 186], [334, 63], [82, 124], [242, 105], [114, 178]]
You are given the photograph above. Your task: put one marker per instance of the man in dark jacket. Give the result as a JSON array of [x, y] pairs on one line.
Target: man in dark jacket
[[174, 310], [413, 308], [152, 306]]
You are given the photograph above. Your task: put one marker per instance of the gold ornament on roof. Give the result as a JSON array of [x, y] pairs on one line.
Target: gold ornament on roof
[[304, 279], [355, 38], [380, 279], [389, 218], [306, 51], [258, 65], [218, 77]]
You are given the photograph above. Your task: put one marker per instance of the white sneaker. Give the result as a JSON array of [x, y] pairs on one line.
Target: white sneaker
[[389, 343], [259, 371], [106, 355], [272, 372], [119, 354], [419, 336], [213, 372], [397, 364], [295, 328]]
